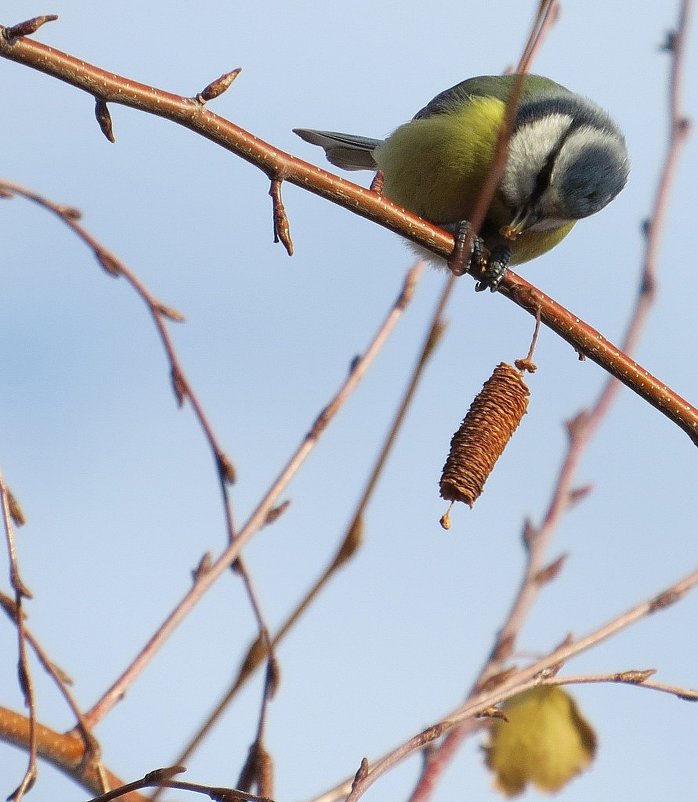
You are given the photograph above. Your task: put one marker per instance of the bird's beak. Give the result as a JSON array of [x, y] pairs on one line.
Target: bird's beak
[[525, 218]]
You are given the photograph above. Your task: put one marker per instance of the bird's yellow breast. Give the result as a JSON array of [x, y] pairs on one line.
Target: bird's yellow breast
[[436, 168]]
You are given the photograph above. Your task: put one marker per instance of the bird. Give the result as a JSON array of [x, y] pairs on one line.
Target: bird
[[566, 159]]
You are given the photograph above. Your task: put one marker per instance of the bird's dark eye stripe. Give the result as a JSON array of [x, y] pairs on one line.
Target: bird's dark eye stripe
[[543, 177], [546, 171]]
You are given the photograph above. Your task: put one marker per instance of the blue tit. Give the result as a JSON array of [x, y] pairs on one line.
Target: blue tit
[[566, 160]]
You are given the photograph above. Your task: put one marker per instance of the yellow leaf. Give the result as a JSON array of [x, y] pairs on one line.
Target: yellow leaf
[[545, 741]]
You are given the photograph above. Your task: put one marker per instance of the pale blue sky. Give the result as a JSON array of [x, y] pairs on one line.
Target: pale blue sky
[[118, 485]]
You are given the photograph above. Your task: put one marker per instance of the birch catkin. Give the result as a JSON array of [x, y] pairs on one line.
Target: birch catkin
[[484, 433]]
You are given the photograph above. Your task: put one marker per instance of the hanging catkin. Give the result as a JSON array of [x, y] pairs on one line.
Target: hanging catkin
[[477, 445]]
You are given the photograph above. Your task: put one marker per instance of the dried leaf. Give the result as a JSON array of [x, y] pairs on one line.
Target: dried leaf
[[545, 742]]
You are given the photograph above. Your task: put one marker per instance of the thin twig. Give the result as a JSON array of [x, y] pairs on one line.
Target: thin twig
[[546, 17], [162, 778], [23, 671], [633, 677]]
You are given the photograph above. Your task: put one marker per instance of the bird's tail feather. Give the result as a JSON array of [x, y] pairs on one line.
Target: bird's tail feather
[[344, 150]]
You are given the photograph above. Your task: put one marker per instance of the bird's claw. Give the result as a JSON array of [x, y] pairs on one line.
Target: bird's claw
[[495, 269], [471, 256], [468, 252]]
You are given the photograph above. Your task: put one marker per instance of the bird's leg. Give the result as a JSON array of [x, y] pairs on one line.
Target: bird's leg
[[377, 183], [468, 255], [494, 269], [471, 256]]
